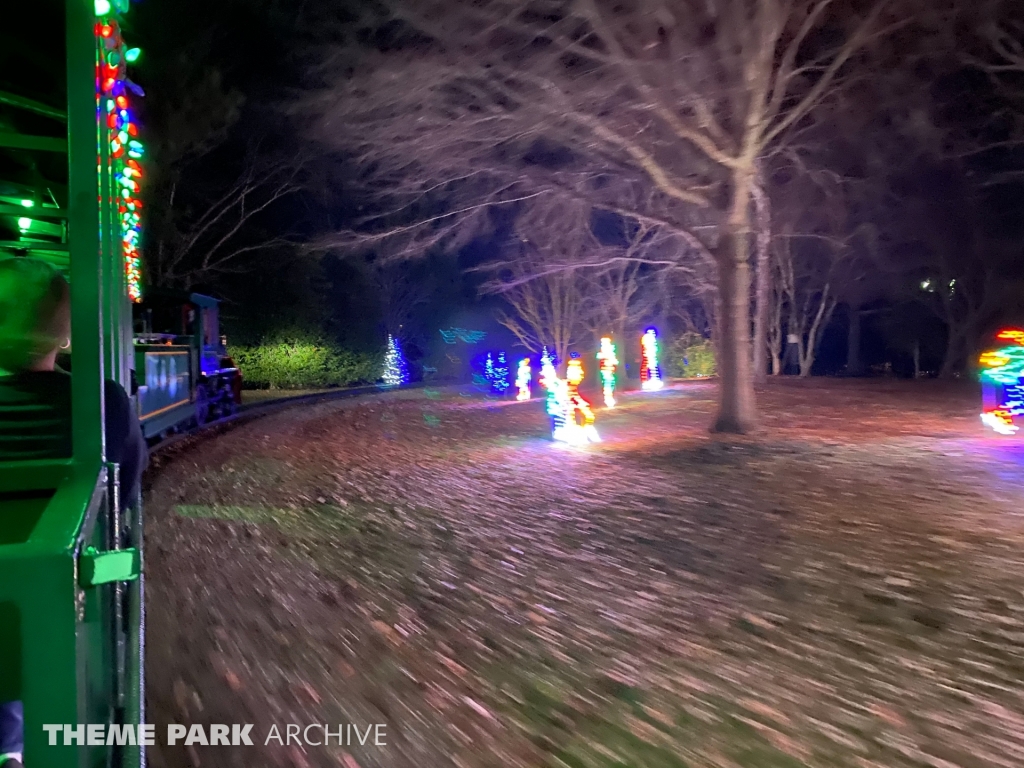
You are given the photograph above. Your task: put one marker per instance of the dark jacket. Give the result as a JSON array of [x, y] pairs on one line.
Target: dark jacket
[[35, 423]]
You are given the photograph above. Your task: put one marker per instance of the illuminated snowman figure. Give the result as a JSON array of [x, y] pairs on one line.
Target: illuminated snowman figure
[[523, 376]]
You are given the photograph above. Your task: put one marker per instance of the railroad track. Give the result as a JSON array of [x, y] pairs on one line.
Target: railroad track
[[255, 410]]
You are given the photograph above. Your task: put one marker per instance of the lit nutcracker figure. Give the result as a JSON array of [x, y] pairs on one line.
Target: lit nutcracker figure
[[608, 363], [650, 370], [523, 377], [1002, 383]]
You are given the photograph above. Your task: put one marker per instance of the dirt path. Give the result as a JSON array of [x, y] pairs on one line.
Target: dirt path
[[846, 589]]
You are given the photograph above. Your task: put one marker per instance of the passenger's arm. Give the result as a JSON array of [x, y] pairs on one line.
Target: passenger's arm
[[125, 444]]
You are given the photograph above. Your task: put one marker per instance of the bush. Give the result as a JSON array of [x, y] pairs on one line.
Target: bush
[[304, 362], [692, 356]]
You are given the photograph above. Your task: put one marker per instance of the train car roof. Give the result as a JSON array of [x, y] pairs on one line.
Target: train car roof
[[155, 295]]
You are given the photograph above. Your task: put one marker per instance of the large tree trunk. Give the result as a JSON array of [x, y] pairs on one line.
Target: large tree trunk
[[954, 353], [736, 409], [763, 286], [853, 363]]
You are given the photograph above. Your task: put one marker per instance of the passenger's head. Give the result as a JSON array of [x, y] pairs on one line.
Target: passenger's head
[[35, 314]]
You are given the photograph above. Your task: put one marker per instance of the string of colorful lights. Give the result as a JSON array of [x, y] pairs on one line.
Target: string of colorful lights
[[650, 370], [608, 361], [112, 93], [1002, 383]]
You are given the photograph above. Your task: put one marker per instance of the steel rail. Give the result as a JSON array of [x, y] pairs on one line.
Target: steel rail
[[255, 410]]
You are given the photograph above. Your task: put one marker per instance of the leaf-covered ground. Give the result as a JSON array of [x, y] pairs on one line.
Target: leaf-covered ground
[[845, 588]]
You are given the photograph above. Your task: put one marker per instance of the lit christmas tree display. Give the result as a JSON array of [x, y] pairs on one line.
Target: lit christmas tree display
[[500, 382], [523, 377], [1002, 383], [121, 140], [650, 370], [608, 361], [489, 370], [396, 373]]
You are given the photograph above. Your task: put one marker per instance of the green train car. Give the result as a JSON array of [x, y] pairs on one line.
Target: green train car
[[71, 591]]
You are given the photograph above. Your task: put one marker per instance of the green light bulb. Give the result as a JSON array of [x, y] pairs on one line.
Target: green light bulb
[[102, 7], [28, 203], [132, 55], [24, 223]]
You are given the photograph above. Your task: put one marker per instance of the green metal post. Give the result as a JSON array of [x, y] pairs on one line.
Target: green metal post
[[85, 238]]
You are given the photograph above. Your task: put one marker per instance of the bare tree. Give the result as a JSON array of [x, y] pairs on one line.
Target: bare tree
[[998, 53], [965, 283], [805, 287], [775, 330], [626, 289], [535, 277], [546, 306], [209, 235], [515, 98], [400, 293], [763, 305]]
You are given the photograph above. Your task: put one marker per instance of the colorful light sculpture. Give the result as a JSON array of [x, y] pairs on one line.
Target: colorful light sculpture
[[608, 361], [557, 401], [396, 372], [650, 370], [1002, 383], [580, 417], [523, 377]]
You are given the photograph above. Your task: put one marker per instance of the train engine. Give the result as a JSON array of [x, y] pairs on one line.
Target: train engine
[[185, 374]]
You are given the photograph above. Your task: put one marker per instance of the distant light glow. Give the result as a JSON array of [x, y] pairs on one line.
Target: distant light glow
[[650, 370], [453, 335], [24, 223], [608, 361], [28, 203], [102, 7]]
